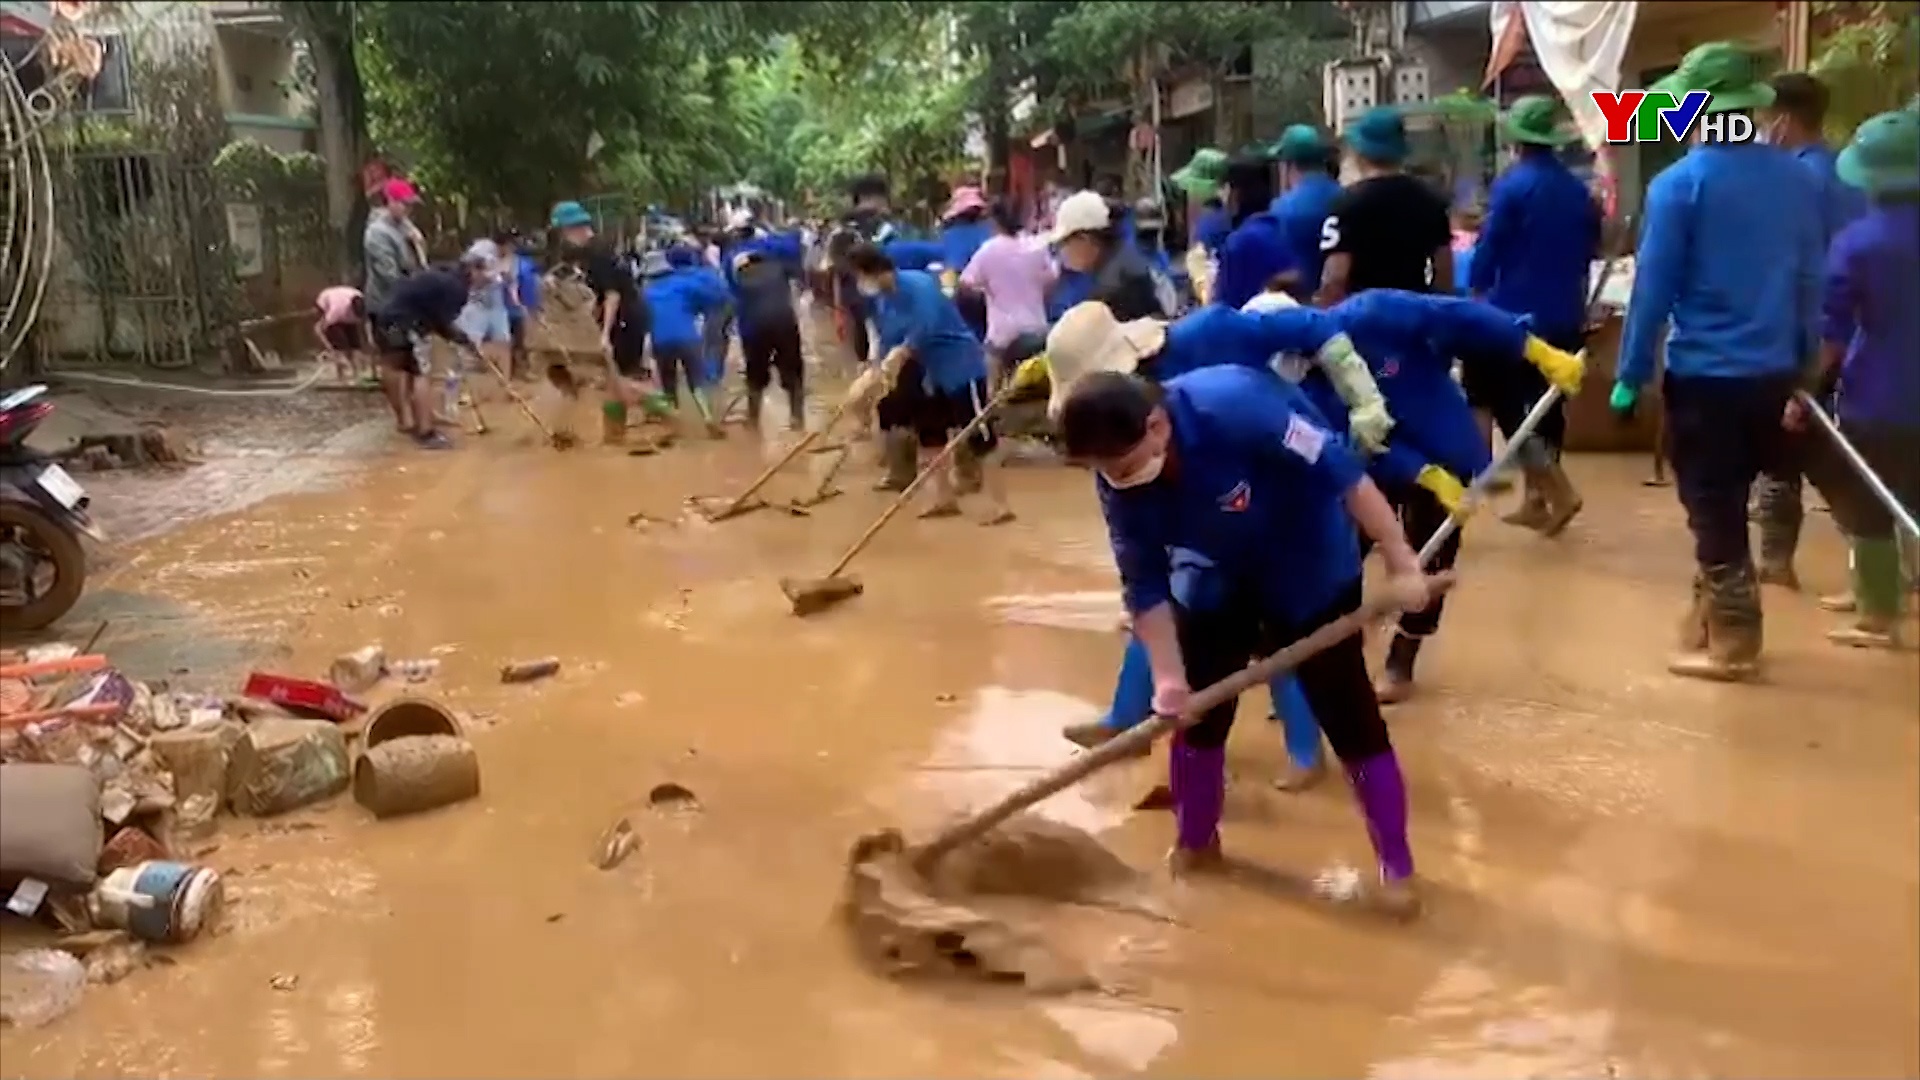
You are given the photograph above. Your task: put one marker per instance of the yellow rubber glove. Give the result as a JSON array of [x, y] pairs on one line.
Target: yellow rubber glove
[[1370, 425], [1033, 371], [1444, 486], [867, 388], [1563, 369], [891, 363]]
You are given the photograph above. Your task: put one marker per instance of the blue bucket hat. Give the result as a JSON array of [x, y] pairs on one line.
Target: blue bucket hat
[[566, 215], [1884, 156], [1379, 135]]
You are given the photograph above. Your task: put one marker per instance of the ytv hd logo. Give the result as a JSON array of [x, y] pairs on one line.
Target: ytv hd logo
[[1637, 116]]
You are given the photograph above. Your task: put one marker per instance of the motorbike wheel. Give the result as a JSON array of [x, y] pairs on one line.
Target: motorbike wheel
[[56, 543]]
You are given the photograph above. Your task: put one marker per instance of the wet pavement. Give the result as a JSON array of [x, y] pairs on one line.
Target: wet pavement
[[1629, 875]]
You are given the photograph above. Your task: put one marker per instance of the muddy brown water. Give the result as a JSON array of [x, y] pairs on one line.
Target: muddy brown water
[[1629, 875]]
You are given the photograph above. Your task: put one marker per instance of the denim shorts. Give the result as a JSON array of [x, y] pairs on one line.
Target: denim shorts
[[485, 323]]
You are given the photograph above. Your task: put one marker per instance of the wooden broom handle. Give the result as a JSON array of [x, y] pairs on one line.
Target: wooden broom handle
[[795, 451], [939, 462]]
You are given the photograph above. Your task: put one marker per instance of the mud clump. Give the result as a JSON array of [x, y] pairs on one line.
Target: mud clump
[[909, 925]]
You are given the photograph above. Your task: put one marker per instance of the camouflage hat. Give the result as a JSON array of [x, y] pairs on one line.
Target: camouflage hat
[[1535, 120], [1730, 72]]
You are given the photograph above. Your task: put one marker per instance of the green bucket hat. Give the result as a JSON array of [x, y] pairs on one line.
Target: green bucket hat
[[1379, 134], [1729, 72], [1301, 144], [1201, 177], [1884, 156], [1535, 119]]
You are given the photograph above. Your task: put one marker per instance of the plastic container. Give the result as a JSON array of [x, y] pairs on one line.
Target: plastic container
[[159, 901], [413, 773], [406, 716], [357, 671]]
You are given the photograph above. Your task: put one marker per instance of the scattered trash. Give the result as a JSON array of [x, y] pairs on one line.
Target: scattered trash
[[414, 671], [284, 982], [302, 695], [38, 986], [408, 716], [50, 823], [671, 796], [618, 842], [282, 765], [529, 670], [357, 671], [130, 846], [159, 901], [27, 897]]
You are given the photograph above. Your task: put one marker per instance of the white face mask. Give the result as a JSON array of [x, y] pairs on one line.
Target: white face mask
[[1147, 473], [868, 288]]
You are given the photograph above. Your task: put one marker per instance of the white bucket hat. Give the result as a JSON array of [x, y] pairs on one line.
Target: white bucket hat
[[1269, 301], [1082, 211], [1290, 366], [1088, 339]]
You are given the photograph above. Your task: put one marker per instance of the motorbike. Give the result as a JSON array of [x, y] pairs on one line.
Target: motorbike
[[43, 515]]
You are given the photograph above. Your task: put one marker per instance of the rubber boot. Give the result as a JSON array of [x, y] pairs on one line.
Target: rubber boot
[[1877, 588], [703, 406], [1693, 626], [1781, 514], [796, 412], [1533, 511], [1396, 682], [1198, 778], [755, 399], [1382, 792], [1563, 499], [613, 423], [1306, 764], [966, 470], [1734, 632], [900, 453]]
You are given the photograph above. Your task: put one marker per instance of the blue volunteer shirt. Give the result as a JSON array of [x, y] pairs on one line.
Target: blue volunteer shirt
[[679, 300], [1871, 307], [1303, 211], [960, 241], [527, 277], [919, 315], [914, 254], [1211, 229], [1840, 202], [1256, 487], [1254, 254], [1730, 255], [1220, 335], [1537, 245]]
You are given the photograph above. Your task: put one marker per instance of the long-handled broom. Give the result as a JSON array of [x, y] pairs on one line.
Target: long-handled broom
[[744, 501], [809, 596]]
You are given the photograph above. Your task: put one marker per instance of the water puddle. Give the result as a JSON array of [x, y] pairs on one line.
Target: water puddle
[[1096, 611], [1005, 739]]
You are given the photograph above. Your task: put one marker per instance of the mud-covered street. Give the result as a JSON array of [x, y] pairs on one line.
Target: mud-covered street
[[1627, 874]]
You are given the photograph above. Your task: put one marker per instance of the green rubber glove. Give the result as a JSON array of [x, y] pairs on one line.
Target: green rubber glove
[[1623, 398]]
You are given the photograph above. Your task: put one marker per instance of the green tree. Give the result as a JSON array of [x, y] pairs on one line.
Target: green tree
[[1868, 54]]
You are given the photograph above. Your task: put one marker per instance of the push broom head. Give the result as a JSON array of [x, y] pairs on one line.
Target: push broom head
[[810, 596]]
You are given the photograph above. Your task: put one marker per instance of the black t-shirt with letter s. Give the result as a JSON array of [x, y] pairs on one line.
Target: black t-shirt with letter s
[[1388, 227]]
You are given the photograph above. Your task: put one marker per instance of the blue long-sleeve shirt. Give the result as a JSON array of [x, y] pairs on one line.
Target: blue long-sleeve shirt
[[1537, 245], [1259, 492], [960, 241], [1840, 202], [1211, 228], [1070, 288], [1254, 254], [1870, 306], [920, 316], [680, 299], [915, 254], [1730, 255], [1302, 211], [1222, 335]]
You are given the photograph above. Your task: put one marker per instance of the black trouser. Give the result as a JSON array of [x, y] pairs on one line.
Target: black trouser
[[769, 349], [1220, 641], [1421, 515], [1508, 388], [1725, 432], [904, 405], [673, 361], [1894, 454], [857, 339], [973, 311]]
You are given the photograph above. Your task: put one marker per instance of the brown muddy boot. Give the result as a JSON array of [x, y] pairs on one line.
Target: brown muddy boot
[[755, 399], [1533, 512], [900, 454], [1563, 500], [1732, 653], [1395, 684], [966, 470], [1094, 733], [1693, 625], [1780, 513], [1841, 603]]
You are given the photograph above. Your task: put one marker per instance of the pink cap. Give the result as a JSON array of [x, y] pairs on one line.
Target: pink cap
[[965, 199], [399, 191]]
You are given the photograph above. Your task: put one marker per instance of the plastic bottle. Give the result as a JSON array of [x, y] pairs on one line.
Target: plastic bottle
[[41, 985], [414, 670], [450, 393]]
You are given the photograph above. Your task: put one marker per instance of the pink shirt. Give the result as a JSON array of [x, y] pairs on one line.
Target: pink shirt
[[336, 304], [1014, 273]]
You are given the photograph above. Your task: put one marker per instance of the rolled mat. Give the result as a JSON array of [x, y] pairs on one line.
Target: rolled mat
[[415, 773]]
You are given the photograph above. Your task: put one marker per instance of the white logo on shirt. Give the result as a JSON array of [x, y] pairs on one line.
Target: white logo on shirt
[[1330, 234], [1305, 439]]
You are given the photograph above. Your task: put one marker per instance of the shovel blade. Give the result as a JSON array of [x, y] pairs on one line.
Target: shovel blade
[[810, 596]]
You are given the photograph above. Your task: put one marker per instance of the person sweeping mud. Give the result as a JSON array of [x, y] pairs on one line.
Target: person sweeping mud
[[1870, 349], [769, 330], [424, 303], [1234, 464], [1728, 276], [919, 323], [682, 303], [1537, 243], [618, 311]]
